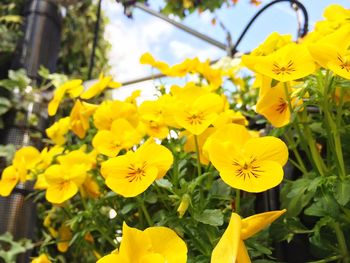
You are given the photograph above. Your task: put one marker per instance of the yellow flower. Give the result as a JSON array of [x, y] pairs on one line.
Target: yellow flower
[[273, 42], [9, 179], [273, 104], [196, 113], [25, 159], [110, 111], [332, 52], [47, 155], [153, 245], [151, 114], [65, 178], [90, 188], [230, 116], [291, 62], [43, 258], [58, 130], [250, 164], [213, 76], [98, 87], [131, 174], [73, 87], [181, 69], [121, 136], [190, 145], [147, 58], [231, 248], [79, 117], [64, 236]]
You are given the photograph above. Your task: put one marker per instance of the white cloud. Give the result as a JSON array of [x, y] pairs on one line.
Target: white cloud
[[183, 50], [130, 38]]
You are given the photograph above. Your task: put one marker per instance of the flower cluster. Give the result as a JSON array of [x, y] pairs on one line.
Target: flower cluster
[[185, 149]]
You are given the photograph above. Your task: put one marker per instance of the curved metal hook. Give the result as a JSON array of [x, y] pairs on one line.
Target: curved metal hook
[[302, 31]]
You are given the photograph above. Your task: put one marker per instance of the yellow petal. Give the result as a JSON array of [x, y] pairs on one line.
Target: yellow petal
[[158, 156], [242, 255], [267, 174], [153, 258], [253, 224], [41, 259], [135, 244], [267, 148], [59, 193], [168, 244], [105, 143], [9, 179], [147, 58], [114, 258], [226, 250], [27, 156], [64, 236]]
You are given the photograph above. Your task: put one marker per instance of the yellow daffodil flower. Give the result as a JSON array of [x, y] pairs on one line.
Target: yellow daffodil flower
[[102, 83], [57, 131], [110, 111], [131, 174], [121, 136], [153, 245], [43, 258], [65, 178], [289, 63], [231, 248], [250, 164], [79, 117], [72, 87]]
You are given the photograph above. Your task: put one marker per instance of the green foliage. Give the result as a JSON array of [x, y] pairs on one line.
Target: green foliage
[[10, 249]]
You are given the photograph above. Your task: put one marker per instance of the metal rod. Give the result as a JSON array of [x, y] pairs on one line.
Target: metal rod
[[301, 33], [152, 77], [182, 26]]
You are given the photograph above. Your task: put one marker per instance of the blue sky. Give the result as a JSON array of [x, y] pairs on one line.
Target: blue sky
[[130, 38]]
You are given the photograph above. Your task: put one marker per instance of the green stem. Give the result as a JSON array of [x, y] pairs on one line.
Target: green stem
[[341, 241], [332, 126], [198, 155], [238, 201], [145, 212], [297, 156]]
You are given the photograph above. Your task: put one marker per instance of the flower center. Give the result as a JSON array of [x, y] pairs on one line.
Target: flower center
[[282, 106], [247, 169], [344, 64], [285, 69], [195, 119], [136, 172]]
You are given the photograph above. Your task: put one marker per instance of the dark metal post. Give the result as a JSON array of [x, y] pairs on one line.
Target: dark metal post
[[39, 46]]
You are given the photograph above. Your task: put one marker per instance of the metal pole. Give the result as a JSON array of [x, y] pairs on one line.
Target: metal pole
[[182, 26]]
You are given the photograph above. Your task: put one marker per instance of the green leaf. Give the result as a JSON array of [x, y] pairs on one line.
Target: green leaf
[[274, 82], [5, 105], [342, 192], [164, 183], [212, 217]]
